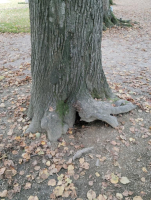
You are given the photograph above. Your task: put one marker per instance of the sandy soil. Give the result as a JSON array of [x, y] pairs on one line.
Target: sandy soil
[[28, 163]]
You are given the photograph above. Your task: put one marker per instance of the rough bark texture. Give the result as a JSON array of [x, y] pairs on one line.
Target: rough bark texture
[[65, 63]]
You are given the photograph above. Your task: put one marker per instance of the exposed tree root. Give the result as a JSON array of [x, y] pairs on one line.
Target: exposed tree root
[[111, 20], [90, 110], [79, 153], [55, 126]]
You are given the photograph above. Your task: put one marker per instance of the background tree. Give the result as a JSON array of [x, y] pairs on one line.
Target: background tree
[[66, 66], [109, 18]]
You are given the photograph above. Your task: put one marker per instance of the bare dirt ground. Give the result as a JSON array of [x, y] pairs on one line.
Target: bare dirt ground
[[33, 168]]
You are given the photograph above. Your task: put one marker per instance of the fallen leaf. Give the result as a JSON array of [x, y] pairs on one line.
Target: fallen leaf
[[10, 132], [102, 159], [2, 170], [43, 174], [48, 163], [27, 186], [131, 139], [97, 174], [144, 170], [1, 78], [2, 105], [26, 156], [91, 195], [101, 197], [33, 198], [58, 191], [52, 182], [71, 170], [114, 179], [37, 168], [81, 160], [137, 198], [66, 193], [124, 180], [21, 173], [85, 165], [90, 183], [43, 143], [113, 143], [3, 193], [125, 193], [143, 179], [119, 196]]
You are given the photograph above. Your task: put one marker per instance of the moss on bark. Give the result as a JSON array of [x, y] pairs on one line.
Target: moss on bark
[[111, 2]]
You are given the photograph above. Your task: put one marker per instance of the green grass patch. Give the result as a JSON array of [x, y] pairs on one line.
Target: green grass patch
[[14, 17]]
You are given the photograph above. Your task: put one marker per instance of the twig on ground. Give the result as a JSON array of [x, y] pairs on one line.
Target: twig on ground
[[79, 153]]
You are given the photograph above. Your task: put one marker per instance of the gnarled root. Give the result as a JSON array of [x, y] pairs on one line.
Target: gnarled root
[[55, 126], [111, 20], [90, 110]]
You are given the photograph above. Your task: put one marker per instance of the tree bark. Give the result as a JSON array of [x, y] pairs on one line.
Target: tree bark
[[66, 64]]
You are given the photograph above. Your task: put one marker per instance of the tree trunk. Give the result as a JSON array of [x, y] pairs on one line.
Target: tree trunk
[[66, 65], [109, 19]]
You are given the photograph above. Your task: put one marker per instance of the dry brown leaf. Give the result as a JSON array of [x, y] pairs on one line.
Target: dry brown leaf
[[137, 198], [91, 195], [2, 170], [97, 174], [101, 197], [3, 193], [37, 168], [14, 152], [10, 132], [10, 172], [43, 143], [71, 170], [124, 180], [27, 186], [33, 198], [119, 196], [48, 163], [143, 179], [131, 139], [66, 193], [81, 160], [102, 159], [43, 174], [125, 193], [58, 191], [85, 165], [113, 143], [90, 183], [26, 156], [21, 173], [52, 182], [144, 169], [114, 179]]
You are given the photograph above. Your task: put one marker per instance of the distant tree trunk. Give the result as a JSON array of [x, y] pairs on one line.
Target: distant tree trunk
[[66, 65], [109, 19]]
